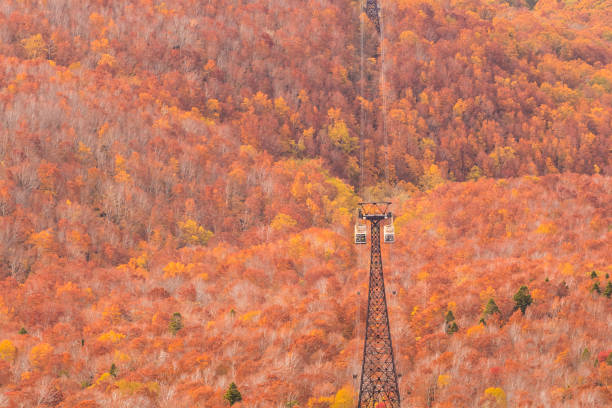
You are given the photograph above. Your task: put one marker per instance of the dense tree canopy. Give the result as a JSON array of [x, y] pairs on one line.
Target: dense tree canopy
[[178, 181]]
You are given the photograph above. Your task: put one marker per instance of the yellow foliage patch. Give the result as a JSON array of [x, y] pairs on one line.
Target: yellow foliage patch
[[459, 107], [498, 394], [422, 275], [4, 310], [474, 330], [249, 316], [68, 287], [281, 106], [7, 350], [105, 377], [501, 155], [132, 387], [562, 357], [408, 37], [546, 228], [83, 149], [103, 129], [296, 246], [487, 294], [339, 133], [107, 60], [567, 269], [42, 240], [443, 380], [174, 269], [39, 354], [538, 294], [112, 313], [316, 402], [431, 178], [122, 176], [343, 398], [121, 356], [111, 337], [194, 234], [100, 45], [74, 66], [282, 221], [96, 20], [137, 266], [34, 46]]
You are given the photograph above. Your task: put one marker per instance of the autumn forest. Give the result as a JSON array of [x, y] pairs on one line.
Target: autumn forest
[[179, 183]]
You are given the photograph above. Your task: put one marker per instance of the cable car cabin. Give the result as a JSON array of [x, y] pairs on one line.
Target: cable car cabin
[[360, 233], [389, 234]]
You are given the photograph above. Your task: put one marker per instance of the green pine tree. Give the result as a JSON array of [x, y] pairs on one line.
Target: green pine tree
[[491, 308], [113, 370], [450, 325], [176, 323], [593, 275], [586, 354], [523, 299], [449, 316], [608, 290], [232, 395], [596, 288], [23, 331]]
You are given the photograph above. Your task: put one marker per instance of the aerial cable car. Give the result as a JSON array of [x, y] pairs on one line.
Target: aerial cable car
[[389, 233], [361, 231]]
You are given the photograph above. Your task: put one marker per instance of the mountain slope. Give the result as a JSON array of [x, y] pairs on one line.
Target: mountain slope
[[178, 186]]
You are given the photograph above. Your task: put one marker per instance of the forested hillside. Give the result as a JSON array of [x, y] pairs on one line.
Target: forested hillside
[[178, 183]]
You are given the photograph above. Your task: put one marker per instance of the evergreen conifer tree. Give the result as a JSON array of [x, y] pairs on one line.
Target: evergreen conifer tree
[[608, 290], [449, 316], [491, 308], [523, 299], [232, 395], [176, 323], [451, 326], [586, 354]]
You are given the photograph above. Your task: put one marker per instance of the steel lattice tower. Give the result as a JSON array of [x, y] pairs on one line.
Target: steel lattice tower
[[378, 375], [372, 13]]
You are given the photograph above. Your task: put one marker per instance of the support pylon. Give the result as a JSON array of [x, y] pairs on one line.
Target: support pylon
[[372, 13], [378, 388]]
